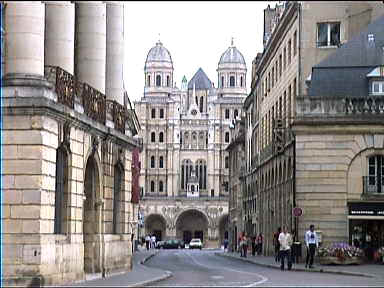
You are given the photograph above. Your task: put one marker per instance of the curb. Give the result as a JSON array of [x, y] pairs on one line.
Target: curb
[[321, 270], [154, 280]]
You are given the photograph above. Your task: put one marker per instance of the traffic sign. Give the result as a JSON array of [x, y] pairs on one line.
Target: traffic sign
[[297, 211]]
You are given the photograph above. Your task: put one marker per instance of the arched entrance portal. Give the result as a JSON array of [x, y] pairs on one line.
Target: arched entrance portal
[[91, 217], [156, 224], [223, 228], [192, 224]]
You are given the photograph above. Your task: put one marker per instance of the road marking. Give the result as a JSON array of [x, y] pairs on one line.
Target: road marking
[[263, 278], [217, 277]]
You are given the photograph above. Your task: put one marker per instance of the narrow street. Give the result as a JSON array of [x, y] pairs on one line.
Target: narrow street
[[204, 268]]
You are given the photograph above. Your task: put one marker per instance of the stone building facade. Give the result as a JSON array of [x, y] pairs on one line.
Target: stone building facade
[[305, 34], [236, 151], [340, 143], [185, 132], [68, 138]]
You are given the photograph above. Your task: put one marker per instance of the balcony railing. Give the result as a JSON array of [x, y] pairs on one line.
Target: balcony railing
[[70, 91], [323, 106], [373, 185]]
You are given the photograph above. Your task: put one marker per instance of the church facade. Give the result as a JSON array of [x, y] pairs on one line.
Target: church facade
[[184, 165]]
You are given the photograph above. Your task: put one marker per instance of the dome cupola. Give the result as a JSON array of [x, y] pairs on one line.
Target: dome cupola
[[160, 54]]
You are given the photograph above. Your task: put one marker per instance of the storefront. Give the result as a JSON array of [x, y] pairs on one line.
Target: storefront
[[366, 226]]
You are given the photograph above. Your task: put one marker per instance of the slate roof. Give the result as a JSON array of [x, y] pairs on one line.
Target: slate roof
[[201, 81], [343, 73]]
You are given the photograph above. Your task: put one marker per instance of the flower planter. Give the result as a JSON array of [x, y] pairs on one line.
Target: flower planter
[[327, 260]]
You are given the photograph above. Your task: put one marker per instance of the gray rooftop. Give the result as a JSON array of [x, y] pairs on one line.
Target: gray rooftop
[[159, 53], [201, 81], [232, 55], [344, 72]]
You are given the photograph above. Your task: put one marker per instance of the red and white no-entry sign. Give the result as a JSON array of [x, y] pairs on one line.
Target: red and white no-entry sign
[[297, 211]]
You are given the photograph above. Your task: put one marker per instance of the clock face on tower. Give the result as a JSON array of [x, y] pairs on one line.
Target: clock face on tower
[[194, 112]]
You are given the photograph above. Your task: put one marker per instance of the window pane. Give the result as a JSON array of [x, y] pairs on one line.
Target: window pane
[[335, 34], [376, 88], [322, 34]]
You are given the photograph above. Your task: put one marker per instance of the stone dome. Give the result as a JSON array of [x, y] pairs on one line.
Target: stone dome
[[159, 53], [232, 55]]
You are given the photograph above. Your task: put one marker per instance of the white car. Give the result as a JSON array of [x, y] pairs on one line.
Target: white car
[[195, 243]]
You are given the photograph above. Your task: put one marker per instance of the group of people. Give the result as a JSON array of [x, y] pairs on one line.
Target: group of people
[[255, 242], [282, 241], [150, 241]]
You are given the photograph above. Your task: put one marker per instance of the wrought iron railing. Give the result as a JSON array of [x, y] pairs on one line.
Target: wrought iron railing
[[95, 105], [64, 84], [373, 185]]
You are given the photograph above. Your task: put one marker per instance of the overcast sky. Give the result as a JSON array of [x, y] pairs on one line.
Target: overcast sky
[[195, 33]]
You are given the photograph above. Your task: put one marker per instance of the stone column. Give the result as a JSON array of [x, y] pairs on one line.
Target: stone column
[[115, 52], [90, 43], [24, 38], [60, 34]]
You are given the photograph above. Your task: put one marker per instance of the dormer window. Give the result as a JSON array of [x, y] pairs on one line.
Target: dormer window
[[377, 87]]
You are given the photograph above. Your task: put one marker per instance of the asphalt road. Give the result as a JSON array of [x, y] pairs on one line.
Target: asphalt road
[[203, 268]]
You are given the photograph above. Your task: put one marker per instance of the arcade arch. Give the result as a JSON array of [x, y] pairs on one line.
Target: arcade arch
[[223, 228], [192, 223], [155, 224]]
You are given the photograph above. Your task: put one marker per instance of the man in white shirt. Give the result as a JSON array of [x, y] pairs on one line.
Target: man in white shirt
[[153, 241], [147, 241], [285, 241], [312, 242]]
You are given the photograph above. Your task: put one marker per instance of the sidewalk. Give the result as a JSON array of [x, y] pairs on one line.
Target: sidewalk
[[139, 276], [366, 270]]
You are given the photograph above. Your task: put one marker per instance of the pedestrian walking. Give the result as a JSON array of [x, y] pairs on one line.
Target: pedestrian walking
[[147, 241], [153, 241], [312, 242], [285, 240], [241, 242], [276, 244], [259, 243], [254, 246], [245, 246]]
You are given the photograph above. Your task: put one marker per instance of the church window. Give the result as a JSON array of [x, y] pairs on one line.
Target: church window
[[226, 137], [289, 51], [226, 113], [226, 186], [153, 137], [161, 162], [152, 186], [161, 186], [168, 82], [226, 162], [235, 113], [222, 82], [241, 81], [232, 81], [153, 113], [201, 103], [158, 80], [295, 43], [161, 113], [116, 198], [149, 80], [152, 161], [161, 137]]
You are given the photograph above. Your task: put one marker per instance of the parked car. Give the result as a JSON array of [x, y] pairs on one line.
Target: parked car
[[159, 244], [195, 244], [173, 244]]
